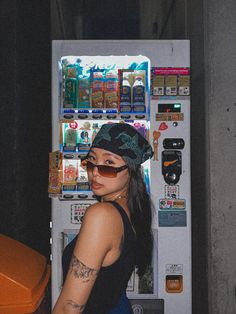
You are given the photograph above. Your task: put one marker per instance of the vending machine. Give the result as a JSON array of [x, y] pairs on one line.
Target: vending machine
[[145, 83]]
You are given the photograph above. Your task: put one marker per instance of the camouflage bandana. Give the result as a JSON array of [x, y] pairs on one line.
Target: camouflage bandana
[[125, 141]]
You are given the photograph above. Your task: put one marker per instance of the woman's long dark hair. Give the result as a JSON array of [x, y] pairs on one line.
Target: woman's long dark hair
[[140, 206]]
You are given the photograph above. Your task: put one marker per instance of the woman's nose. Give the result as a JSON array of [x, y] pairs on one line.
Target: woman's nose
[[95, 171]]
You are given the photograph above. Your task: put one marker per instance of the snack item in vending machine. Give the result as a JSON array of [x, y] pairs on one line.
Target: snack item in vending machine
[[84, 92], [70, 86], [70, 96], [55, 172], [85, 140], [82, 184], [70, 175], [95, 128], [111, 90], [70, 137], [97, 82]]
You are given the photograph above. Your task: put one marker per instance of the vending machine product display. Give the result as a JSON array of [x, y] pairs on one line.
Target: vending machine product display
[[146, 84]]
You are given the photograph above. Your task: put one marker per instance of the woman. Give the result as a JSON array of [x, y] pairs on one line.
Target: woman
[[115, 235]]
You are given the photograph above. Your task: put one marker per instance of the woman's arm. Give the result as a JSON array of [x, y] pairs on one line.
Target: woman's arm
[[94, 242]]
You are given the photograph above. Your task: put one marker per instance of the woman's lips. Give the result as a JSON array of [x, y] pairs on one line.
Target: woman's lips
[[96, 185]]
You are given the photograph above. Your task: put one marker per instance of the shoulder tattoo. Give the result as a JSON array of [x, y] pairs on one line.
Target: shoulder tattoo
[[80, 270], [75, 306]]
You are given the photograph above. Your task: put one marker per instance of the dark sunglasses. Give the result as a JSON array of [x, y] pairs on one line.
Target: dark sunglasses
[[105, 171]]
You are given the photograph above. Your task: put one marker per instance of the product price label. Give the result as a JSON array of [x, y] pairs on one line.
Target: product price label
[[174, 269]]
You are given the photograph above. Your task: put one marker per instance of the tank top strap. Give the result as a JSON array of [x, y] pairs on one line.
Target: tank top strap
[[123, 214]]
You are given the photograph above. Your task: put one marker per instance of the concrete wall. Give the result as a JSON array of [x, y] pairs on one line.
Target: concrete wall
[[195, 32], [220, 80]]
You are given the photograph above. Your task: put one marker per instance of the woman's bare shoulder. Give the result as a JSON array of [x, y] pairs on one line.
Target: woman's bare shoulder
[[101, 208], [101, 224], [103, 213]]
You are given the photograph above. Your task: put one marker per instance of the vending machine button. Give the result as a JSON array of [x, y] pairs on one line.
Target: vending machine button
[[125, 116], [82, 196], [69, 156], [68, 116], [111, 116], [139, 116], [82, 116], [68, 196], [97, 116]]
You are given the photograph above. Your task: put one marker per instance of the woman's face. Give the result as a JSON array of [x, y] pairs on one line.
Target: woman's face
[[103, 186]]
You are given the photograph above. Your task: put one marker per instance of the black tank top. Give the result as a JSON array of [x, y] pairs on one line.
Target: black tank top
[[112, 280]]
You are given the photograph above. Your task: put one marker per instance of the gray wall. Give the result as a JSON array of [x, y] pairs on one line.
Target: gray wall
[[195, 32], [220, 82]]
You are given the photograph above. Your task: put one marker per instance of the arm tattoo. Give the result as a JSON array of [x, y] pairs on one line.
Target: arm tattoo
[[82, 271], [75, 305]]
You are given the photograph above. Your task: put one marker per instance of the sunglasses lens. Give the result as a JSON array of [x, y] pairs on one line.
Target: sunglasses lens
[[105, 171]]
